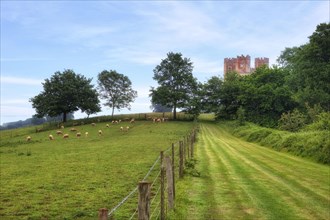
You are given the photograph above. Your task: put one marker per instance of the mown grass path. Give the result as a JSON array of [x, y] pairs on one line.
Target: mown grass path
[[242, 180]]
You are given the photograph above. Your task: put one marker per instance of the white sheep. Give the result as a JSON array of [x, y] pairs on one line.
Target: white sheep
[[73, 129], [93, 124], [51, 137], [86, 134], [62, 127], [107, 125], [132, 120], [59, 132], [66, 136], [28, 138], [78, 134], [100, 132], [121, 128]]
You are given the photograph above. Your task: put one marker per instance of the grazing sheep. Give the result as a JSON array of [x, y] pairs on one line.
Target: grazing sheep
[[159, 120], [28, 138], [62, 127], [100, 132], [154, 120], [93, 124], [86, 134], [121, 128], [107, 125], [73, 129], [78, 134], [127, 128], [51, 137], [113, 122], [132, 120], [59, 132], [119, 121], [66, 136]]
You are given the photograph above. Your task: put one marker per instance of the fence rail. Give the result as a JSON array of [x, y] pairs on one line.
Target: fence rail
[[153, 201]]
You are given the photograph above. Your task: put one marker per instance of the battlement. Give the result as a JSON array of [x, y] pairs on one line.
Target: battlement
[[242, 64]]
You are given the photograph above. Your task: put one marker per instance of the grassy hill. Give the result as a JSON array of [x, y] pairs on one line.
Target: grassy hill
[[74, 177]]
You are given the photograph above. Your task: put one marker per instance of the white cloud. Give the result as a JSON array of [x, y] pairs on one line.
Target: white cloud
[[20, 81]]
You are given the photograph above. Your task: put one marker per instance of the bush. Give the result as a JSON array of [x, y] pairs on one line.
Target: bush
[[292, 121]]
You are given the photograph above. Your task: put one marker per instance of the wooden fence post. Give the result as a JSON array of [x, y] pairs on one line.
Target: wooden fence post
[[144, 200], [173, 170], [181, 160], [192, 146], [169, 177], [103, 214], [162, 187]]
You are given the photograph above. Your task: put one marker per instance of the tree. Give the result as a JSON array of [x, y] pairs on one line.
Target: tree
[[64, 93], [176, 83], [160, 108], [309, 67], [210, 94], [116, 89]]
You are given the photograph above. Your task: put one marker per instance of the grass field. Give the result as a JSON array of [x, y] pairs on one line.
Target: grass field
[[72, 178], [242, 180]]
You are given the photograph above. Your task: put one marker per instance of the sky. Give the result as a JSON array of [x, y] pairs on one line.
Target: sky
[[39, 38]]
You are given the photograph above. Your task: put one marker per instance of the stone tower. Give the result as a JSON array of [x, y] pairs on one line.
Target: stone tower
[[242, 64]]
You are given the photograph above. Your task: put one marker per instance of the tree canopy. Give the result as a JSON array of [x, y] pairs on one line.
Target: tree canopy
[[116, 89], [177, 86], [66, 92]]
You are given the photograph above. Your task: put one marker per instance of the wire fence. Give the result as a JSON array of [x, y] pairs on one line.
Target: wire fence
[[156, 191]]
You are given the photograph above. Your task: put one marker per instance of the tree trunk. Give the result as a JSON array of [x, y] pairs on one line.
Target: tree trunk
[[64, 116], [113, 109], [174, 111]]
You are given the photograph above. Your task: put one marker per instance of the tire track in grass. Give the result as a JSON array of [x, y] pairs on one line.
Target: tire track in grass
[[232, 198], [253, 182], [260, 197], [313, 204]]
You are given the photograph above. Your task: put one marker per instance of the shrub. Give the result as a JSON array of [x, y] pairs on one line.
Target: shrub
[[292, 121]]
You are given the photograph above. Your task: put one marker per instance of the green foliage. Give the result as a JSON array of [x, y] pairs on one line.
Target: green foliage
[[64, 93], [309, 68], [311, 144], [241, 116], [190, 168], [177, 86], [292, 121], [321, 123], [116, 89]]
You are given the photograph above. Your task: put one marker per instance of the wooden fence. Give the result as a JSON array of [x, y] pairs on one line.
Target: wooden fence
[[156, 191]]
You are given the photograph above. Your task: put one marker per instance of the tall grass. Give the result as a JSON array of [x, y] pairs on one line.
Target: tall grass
[[310, 144]]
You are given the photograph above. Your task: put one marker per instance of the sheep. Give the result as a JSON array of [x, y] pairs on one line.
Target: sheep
[[62, 127], [119, 121], [73, 129], [132, 120], [121, 128], [86, 134], [127, 128], [51, 137], [154, 120], [113, 122], [100, 132], [159, 120], [78, 134], [66, 136], [93, 124], [107, 125], [59, 132], [28, 138]]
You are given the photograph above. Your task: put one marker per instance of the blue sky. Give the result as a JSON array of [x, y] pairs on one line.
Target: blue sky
[[39, 38]]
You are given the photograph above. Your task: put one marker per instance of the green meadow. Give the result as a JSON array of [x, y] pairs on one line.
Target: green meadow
[[73, 178]]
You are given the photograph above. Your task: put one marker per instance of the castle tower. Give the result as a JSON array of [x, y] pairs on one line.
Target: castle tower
[[242, 64], [258, 62]]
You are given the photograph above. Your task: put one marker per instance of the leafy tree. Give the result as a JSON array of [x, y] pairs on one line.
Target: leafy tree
[[177, 86], [229, 93], [160, 108], [211, 94], [116, 89], [64, 93], [309, 65]]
